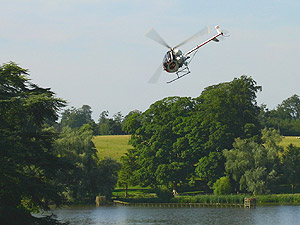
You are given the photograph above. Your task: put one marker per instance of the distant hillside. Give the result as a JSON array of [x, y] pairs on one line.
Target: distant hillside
[[113, 146]]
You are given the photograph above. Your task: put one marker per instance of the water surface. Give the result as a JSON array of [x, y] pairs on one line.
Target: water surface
[[120, 215]]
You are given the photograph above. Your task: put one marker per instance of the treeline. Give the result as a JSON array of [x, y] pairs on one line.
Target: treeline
[[285, 117], [78, 117]]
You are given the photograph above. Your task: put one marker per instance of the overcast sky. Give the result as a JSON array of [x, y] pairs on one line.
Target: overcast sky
[[94, 52]]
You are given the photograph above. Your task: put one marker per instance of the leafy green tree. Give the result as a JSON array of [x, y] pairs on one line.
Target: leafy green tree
[[109, 169], [290, 108], [223, 112], [75, 118], [110, 126], [164, 156], [126, 175], [286, 116], [77, 147], [132, 122], [291, 165], [210, 168], [222, 186], [254, 166], [28, 166], [226, 111]]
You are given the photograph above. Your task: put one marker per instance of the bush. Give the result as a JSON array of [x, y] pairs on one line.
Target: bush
[[222, 186], [164, 194]]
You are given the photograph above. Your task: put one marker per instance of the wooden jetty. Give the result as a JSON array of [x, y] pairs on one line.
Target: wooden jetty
[[179, 205]]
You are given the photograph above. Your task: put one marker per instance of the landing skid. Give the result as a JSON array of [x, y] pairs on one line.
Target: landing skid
[[185, 72]]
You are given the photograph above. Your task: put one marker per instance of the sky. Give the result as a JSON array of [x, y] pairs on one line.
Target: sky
[[94, 52]]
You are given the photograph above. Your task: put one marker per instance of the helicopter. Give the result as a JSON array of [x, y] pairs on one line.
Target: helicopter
[[174, 60]]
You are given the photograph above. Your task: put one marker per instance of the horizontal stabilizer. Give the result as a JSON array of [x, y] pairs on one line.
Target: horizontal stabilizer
[[215, 39]]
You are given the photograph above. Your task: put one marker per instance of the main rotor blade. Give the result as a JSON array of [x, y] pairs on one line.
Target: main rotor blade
[[204, 31], [152, 34], [156, 75]]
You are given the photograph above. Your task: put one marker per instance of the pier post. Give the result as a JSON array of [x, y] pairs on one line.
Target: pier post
[[250, 203], [100, 200]]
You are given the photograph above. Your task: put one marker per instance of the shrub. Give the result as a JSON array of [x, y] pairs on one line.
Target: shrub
[[222, 186], [164, 194]]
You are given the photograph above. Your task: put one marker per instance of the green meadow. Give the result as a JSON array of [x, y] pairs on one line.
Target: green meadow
[[290, 140], [113, 146]]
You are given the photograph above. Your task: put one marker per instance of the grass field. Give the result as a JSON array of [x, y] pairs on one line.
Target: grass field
[[113, 146], [290, 140]]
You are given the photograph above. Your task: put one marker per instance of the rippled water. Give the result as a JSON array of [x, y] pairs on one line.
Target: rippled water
[[154, 215]]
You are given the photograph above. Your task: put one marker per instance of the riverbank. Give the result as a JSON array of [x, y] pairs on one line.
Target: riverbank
[[283, 199]]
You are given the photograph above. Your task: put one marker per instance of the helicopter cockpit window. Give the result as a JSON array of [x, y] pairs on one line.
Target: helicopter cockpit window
[[167, 59]]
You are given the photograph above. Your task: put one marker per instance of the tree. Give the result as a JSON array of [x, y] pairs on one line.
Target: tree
[[252, 165], [75, 118], [222, 186], [291, 165], [226, 111], [28, 166], [76, 146], [108, 176], [290, 108], [132, 122], [110, 126], [126, 175], [163, 155], [223, 112], [210, 168], [286, 116]]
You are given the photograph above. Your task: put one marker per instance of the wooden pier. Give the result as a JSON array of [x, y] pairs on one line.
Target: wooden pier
[[179, 205]]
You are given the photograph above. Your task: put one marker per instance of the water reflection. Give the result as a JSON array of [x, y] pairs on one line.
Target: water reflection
[[262, 215]]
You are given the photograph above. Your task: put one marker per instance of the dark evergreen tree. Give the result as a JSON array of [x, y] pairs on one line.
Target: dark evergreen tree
[[28, 167]]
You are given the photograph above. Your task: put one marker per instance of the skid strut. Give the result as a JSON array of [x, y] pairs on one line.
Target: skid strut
[[185, 72]]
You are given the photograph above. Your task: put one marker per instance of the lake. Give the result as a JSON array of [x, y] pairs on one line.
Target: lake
[[154, 215]]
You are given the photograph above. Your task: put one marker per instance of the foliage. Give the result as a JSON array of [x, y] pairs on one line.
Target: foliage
[[286, 116], [88, 178], [222, 186], [164, 157], [75, 118], [164, 194], [110, 126], [28, 166], [210, 168], [75, 146], [291, 165], [177, 133], [132, 122], [253, 166], [126, 175], [108, 176]]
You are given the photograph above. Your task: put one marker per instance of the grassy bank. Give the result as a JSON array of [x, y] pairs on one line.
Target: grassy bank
[[210, 199], [113, 146]]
